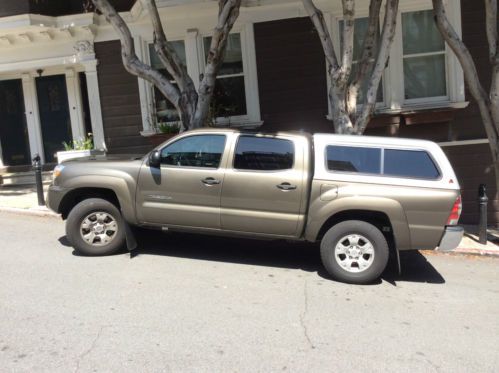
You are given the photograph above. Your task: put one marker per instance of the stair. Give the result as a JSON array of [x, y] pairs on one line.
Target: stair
[[23, 178]]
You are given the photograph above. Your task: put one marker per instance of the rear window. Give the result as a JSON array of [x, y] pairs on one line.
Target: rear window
[[263, 154], [354, 159], [410, 163]]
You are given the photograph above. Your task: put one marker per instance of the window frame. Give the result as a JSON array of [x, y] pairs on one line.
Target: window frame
[[394, 101]]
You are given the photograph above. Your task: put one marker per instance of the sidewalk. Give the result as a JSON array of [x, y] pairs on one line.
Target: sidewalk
[[23, 199]]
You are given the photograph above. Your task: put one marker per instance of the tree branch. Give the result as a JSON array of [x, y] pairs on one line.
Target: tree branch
[[491, 27], [470, 74], [130, 60], [389, 25], [227, 16], [317, 18], [347, 39], [367, 59], [174, 65]]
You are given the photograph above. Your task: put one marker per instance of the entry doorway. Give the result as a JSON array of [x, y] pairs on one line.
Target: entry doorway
[[55, 120], [13, 128]]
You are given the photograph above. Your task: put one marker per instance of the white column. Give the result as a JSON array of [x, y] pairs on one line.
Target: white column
[[32, 116], [95, 105], [75, 105], [194, 55]]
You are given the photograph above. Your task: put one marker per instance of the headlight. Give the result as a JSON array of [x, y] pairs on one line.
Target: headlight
[[57, 171]]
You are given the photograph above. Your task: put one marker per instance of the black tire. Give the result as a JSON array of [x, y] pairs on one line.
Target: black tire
[[85, 209], [338, 235]]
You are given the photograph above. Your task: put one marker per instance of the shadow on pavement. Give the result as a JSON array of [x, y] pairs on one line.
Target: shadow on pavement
[[278, 253]]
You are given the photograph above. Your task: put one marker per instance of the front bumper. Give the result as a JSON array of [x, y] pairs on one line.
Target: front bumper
[[54, 197], [451, 238]]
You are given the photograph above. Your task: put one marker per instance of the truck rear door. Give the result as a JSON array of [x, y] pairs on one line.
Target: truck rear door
[[265, 185]]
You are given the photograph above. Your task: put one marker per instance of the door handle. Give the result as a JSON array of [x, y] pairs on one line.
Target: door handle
[[286, 186], [210, 181]]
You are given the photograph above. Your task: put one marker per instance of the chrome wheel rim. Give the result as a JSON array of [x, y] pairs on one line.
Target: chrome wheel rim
[[98, 228], [354, 253]]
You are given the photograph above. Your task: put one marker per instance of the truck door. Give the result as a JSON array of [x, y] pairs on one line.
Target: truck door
[[186, 189], [264, 186]]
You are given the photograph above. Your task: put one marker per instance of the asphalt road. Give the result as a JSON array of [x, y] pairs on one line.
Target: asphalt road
[[203, 304]]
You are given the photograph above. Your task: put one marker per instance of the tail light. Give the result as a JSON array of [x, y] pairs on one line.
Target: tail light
[[455, 212]]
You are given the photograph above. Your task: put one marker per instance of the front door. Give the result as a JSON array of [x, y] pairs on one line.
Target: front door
[[13, 129], [54, 114], [185, 190], [263, 190]]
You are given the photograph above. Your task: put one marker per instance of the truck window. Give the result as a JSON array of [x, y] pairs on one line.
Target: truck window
[[354, 159], [410, 163], [263, 154], [195, 151]]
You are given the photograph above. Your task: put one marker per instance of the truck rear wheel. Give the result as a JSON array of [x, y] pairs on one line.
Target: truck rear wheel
[[95, 227], [354, 251]]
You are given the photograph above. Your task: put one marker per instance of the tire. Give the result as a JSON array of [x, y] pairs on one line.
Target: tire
[[354, 252], [103, 219]]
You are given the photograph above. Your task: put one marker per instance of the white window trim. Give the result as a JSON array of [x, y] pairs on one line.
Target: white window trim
[[193, 41], [393, 77]]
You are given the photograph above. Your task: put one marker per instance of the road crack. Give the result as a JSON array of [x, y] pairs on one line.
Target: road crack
[[303, 315], [90, 349]]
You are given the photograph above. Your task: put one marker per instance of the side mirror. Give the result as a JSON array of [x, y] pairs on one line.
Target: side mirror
[[155, 159]]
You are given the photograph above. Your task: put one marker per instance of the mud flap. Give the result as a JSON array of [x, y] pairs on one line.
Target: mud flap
[[399, 266], [131, 242]]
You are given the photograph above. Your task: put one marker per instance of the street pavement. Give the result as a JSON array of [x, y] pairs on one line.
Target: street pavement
[[203, 304]]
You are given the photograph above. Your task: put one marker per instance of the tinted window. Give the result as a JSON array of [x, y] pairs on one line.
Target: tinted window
[[195, 151], [262, 153], [354, 159], [410, 163]]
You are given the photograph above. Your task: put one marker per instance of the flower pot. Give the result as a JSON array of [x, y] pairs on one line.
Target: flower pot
[[63, 156], [159, 138]]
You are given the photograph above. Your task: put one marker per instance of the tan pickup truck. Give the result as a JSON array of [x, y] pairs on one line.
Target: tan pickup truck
[[361, 197]]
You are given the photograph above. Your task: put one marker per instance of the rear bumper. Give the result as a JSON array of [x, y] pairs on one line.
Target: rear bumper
[[451, 238]]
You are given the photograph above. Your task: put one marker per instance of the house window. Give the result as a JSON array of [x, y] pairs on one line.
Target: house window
[[423, 56], [163, 108], [229, 97]]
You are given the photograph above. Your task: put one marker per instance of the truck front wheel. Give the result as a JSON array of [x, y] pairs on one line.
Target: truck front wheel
[[95, 227], [354, 251]]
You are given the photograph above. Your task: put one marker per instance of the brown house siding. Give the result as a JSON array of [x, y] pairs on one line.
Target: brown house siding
[[120, 101], [291, 76]]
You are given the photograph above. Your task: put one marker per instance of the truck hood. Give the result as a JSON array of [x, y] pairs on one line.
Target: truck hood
[[105, 158]]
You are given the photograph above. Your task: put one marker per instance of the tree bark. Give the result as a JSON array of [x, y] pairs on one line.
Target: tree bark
[[389, 26], [130, 60], [485, 104], [227, 15]]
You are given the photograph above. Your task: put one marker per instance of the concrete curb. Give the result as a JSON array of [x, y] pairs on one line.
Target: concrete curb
[[41, 212], [479, 252]]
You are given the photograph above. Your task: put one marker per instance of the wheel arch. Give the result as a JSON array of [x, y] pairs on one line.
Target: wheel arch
[[75, 196]]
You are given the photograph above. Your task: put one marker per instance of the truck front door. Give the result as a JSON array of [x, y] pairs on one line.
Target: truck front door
[[264, 186], [186, 189]]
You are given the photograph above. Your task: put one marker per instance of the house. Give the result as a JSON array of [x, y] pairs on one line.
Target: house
[[61, 77]]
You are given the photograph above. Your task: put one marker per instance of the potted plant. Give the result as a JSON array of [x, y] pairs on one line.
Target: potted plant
[[78, 149]]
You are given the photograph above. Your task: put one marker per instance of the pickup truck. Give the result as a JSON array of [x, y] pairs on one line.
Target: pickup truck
[[363, 198]]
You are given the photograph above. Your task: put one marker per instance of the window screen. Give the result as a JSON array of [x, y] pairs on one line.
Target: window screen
[[354, 159], [195, 151], [263, 154], [410, 163]]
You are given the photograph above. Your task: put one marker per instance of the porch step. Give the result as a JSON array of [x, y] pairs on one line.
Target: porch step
[[24, 178]]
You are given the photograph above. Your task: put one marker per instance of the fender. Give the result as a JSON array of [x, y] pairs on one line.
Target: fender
[[321, 211]]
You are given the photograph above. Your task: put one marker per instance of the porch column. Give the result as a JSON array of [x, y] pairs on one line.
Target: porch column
[[193, 50], [32, 116], [75, 105], [95, 105]]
